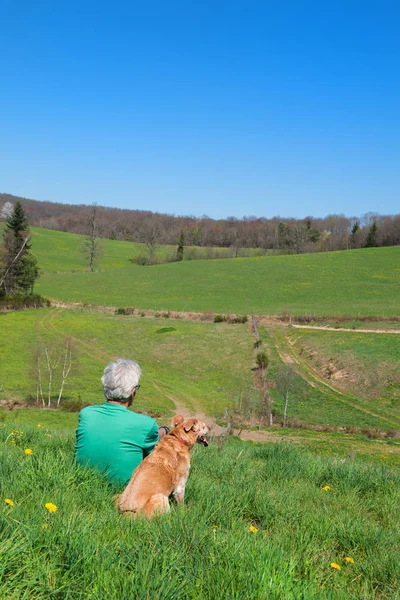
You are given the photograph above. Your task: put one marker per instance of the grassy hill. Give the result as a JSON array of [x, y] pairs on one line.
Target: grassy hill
[[58, 251], [356, 282], [190, 364], [268, 521], [208, 367]]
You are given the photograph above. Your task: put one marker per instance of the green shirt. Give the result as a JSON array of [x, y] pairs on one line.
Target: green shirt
[[113, 439]]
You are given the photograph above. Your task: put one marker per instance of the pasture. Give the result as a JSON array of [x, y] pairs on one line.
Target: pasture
[[209, 367], [341, 378], [201, 366], [259, 521], [356, 282], [59, 251]]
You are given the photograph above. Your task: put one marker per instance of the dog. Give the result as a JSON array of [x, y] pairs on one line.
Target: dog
[[163, 472]]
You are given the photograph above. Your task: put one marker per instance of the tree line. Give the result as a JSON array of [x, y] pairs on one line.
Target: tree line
[[277, 234]]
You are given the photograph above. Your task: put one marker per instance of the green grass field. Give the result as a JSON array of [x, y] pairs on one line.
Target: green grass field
[[364, 364], [300, 539], [191, 364], [207, 367], [59, 251], [319, 398], [364, 282]]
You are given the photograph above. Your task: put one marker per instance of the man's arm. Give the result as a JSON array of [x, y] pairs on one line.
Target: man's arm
[[162, 431], [151, 439]]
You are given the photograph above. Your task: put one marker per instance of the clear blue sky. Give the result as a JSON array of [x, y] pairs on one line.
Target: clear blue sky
[[220, 108]]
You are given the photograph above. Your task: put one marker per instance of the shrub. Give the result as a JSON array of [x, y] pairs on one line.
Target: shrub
[[141, 259], [74, 405], [125, 311], [238, 319], [20, 301], [262, 360], [219, 319]]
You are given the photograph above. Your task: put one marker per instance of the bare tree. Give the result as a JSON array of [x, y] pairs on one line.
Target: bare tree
[[92, 248], [37, 373], [52, 365], [284, 383], [52, 360], [66, 368], [149, 233]]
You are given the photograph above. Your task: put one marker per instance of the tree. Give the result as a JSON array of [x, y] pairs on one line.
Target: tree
[[149, 233], [370, 242], [20, 269], [181, 245], [52, 364], [92, 249], [6, 211], [284, 384]]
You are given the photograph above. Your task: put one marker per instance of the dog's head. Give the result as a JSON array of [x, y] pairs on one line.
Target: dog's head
[[190, 431]]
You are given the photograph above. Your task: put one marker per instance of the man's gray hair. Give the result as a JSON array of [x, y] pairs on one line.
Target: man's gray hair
[[120, 378]]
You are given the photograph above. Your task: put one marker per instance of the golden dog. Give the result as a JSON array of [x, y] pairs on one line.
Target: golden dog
[[164, 471]]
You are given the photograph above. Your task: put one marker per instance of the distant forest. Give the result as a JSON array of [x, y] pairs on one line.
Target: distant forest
[[278, 234]]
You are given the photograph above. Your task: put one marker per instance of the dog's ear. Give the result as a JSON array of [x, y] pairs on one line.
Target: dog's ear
[[177, 420], [191, 424]]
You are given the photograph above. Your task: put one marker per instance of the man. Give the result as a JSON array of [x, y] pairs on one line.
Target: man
[[109, 436]]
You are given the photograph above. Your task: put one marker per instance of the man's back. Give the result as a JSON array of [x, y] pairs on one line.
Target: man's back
[[114, 440]]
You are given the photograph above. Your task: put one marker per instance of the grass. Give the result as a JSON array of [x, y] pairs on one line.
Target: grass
[[206, 367], [58, 251], [362, 364], [203, 549], [348, 447], [356, 282], [317, 400], [190, 364]]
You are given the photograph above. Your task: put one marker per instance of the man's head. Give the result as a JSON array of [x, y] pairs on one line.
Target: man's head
[[120, 380]]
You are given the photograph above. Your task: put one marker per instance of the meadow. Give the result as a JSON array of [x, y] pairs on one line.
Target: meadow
[[350, 362], [185, 363], [357, 282], [259, 521], [58, 251], [202, 367]]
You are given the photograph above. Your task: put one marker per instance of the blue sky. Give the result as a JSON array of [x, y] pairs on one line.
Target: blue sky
[[218, 108]]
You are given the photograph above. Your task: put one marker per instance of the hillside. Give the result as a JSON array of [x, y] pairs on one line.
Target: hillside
[[355, 282]]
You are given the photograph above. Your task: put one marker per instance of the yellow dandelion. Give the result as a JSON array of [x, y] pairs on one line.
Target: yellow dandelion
[[8, 501], [51, 507], [326, 488], [335, 566], [28, 452], [253, 529], [43, 527], [47, 434], [39, 425], [349, 559], [215, 527]]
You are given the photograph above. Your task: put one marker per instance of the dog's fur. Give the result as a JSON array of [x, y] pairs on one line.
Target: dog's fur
[[163, 472]]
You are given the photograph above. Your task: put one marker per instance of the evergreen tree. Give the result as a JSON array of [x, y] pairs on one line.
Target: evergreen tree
[[370, 242], [20, 269], [181, 245]]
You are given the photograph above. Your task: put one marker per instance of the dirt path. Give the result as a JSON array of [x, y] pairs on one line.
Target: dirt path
[[327, 328], [288, 355]]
